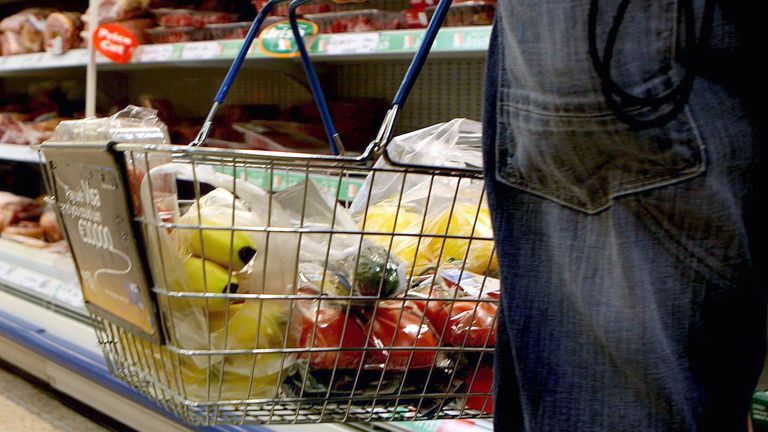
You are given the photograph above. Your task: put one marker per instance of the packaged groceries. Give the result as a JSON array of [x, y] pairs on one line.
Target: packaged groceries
[[395, 327], [29, 222], [62, 32], [431, 220], [357, 21], [461, 316], [479, 385], [468, 13], [177, 34], [174, 18], [22, 33], [119, 10]]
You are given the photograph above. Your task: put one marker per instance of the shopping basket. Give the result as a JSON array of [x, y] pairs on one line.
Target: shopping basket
[[236, 286]]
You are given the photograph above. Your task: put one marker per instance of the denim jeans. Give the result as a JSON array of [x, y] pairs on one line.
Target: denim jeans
[[630, 295]]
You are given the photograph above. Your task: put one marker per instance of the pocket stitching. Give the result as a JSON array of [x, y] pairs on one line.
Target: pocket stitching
[[627, 188]]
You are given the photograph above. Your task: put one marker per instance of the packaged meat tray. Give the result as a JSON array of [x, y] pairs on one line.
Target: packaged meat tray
[[238, 30], [62, 32], [177, 34], [310, 8], [358, 21], [468, 13], [172, 18]]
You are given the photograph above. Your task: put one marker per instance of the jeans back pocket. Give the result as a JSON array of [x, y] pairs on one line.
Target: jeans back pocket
[[582, 157]]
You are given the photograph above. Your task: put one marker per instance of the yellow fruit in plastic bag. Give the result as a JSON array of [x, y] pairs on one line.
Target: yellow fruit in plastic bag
[[381, 218], [264, 320], [205, 276], [478, 256]]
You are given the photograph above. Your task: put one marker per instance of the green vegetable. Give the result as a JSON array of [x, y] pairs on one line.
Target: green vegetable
[[375, 269]]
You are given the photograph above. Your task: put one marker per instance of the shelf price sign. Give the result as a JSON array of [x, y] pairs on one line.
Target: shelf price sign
[[94, 204], [115, 42], [277, 40]]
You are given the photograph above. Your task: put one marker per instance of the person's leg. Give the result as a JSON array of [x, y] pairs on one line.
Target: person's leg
[[645, 316]]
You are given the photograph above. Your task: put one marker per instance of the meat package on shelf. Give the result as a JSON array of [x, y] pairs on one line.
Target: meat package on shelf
[[30, 222], [40, 29]]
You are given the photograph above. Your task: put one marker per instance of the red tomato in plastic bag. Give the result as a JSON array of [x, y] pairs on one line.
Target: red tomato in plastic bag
[[410, 331], [330, 324], [477, 326], [482, 384], [433, 309]]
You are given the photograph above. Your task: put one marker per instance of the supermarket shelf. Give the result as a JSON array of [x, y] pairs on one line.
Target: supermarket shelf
[[43, 61], [395, 44], [44, 277], [65, 354], [19, 153]]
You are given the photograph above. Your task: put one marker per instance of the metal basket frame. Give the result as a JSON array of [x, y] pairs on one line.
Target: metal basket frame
[[159, 371]]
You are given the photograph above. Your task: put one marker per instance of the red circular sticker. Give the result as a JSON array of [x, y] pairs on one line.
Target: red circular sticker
[[115, 41]]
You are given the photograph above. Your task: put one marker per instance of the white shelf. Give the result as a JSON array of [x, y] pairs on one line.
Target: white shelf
[[395, 44], [20, 153], [43, 61], [46, 276]]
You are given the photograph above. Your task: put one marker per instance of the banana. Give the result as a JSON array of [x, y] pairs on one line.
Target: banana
[[217, 280], [257, 325], [223, 246]]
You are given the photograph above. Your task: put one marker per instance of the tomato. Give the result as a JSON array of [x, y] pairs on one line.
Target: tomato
[[433, 309], [472, 320], [389, 329], [330, 325], [482, 384]]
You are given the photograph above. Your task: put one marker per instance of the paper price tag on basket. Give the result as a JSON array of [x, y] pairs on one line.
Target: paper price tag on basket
[[353, 43], [277, 40], [93, 199]]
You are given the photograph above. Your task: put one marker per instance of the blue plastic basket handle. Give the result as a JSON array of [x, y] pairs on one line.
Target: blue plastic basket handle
[[403, 91], [334, 140], [234, 70]]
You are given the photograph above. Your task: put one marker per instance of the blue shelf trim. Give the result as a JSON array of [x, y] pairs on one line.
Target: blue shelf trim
[[90, 366]]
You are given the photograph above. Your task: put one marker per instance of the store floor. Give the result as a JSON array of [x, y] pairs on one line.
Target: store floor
[[28, 405]]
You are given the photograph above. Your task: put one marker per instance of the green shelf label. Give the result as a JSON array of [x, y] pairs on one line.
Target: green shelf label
[[277, 40], [345, 188]]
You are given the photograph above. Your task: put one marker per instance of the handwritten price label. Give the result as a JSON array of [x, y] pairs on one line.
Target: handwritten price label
[[200, 51], [361, 43], [155, 53]]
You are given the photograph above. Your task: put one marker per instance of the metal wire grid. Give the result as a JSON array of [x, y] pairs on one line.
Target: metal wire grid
[[194, 381]]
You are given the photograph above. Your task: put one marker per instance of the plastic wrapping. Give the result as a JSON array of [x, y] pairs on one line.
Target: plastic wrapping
[[433, 217], [177, 34], [208, 252], [398, 325], [131, 125], [469, 13], [357, 21], [173, 18], [118, 10], [461, 305], [62, 32], [352, 266], [22, 32]]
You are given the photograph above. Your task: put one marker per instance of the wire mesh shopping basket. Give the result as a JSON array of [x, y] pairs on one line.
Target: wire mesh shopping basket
[[269, 287]]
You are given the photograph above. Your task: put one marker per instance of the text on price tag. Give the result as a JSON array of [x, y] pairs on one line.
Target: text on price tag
[[115, 42], [361, 43]]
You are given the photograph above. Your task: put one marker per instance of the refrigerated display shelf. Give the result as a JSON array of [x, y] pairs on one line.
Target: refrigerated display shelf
[[394, 44], [18, 153], [46, 278], [65, 354]]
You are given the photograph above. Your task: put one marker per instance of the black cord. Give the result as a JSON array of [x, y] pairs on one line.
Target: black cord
[[624, 104]]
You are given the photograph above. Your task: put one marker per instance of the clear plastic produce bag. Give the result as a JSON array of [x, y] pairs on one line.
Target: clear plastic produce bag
[[432, 217]]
